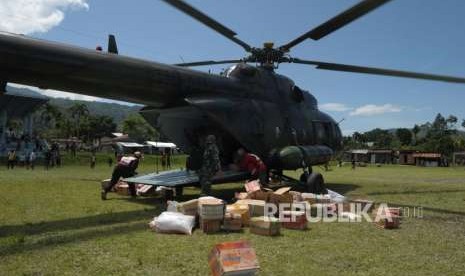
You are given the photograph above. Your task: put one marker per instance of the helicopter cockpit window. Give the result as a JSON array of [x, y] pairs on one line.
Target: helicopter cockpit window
[[323, 131], [297, 94]]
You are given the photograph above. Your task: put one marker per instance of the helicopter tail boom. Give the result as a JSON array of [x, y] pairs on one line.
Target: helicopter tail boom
[[62, 67]]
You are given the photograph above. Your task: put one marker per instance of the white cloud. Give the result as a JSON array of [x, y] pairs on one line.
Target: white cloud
[[335, 107], [372, 109], [35, 16]]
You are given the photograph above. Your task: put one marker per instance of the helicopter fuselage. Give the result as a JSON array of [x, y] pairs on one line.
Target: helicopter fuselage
[[267, 114]]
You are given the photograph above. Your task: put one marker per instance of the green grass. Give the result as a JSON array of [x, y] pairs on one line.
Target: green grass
[[54, 223]]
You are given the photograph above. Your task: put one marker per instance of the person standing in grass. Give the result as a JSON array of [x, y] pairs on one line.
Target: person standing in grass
[[93, 160], [210, 165], [11, 159], [126, 167], [31, 160]]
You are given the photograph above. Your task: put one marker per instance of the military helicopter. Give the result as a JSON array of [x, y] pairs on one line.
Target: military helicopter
[[249, 105]]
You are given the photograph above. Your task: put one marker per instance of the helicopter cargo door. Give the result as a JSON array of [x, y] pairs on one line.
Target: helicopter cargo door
[[241, 118]]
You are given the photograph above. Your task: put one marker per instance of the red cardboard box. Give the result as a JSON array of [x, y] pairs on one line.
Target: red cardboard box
[[233, 258], [390, 222]]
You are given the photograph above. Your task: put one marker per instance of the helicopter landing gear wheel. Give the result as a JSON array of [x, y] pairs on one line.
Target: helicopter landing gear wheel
[[316, 184]]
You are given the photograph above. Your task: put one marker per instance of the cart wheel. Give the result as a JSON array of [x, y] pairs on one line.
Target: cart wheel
[[316, 184], [179, 191]]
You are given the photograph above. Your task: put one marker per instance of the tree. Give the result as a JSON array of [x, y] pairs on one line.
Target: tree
[[100, 126], [451, 121], [381, 138], [358, 137], [416, 129], [50, 115], [138, 129], [404, 135], [78, 111], [463, 123], [439, 125]]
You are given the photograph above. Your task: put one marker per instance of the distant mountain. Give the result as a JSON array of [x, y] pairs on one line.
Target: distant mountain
[[24, 92], [116, 111]]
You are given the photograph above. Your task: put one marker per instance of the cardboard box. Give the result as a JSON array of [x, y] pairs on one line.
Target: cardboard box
[[266, 226], [232, 222], [296, 196], [209, 226], [390, 222], [252, 186], [233, 258], [259, 195], [240, 209], [256, 207], [122, 188], [211, 208], [145, 190], [281, 195], [294, 220], [240, 196], [394, 211], [189, 208]]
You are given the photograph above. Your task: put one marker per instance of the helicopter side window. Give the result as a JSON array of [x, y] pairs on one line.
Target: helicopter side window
[[297, 94]]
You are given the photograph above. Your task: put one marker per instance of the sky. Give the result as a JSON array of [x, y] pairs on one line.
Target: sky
[[415, 35]]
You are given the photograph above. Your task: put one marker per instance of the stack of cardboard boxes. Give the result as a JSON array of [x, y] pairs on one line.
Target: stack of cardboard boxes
[[211, 214]]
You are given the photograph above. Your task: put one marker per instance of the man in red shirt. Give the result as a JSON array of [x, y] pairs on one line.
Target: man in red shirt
[[253, 164]]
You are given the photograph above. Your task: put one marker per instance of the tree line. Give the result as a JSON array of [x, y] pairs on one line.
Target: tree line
[[440, 136], [52, 122]]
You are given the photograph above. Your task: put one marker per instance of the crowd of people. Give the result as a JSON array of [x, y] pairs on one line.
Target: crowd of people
[[27, 160]]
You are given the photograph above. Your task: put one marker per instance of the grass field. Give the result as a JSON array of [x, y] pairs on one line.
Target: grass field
[[54, 223]]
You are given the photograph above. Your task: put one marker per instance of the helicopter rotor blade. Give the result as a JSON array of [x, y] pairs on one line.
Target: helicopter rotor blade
[[208, 21], [376, 71], [337, 22], [208, 62]]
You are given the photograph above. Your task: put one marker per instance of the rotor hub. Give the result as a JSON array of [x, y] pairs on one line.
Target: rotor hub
[[266, 56]]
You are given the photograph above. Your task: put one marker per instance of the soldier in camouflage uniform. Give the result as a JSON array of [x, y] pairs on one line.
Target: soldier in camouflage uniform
[[210, 165]]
